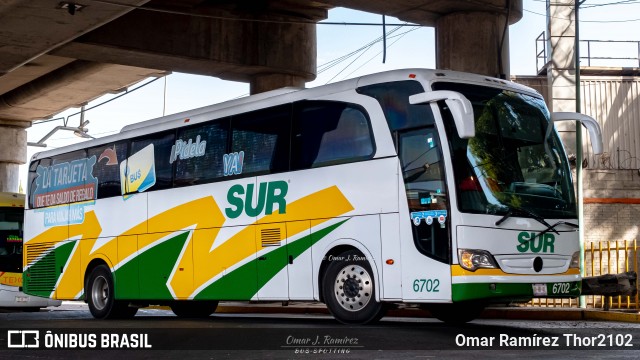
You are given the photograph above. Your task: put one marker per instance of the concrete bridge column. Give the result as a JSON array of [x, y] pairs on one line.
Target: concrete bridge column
[[13, 153], [266, 82], [471, 42]]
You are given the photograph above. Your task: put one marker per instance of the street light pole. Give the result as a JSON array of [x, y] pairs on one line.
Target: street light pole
[[579, 154]]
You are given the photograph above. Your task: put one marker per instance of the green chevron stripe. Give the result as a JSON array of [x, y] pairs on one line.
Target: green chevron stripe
[[241, 284], [41, 277], [145, 276]]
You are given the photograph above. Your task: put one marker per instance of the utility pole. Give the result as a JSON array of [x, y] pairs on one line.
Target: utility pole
[[579, 154]]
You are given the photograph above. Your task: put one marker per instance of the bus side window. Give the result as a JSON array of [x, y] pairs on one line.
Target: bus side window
[[52, 180], [206, 163], [107, 168], [32, 179], [161, 166], [329, 133], [393, 97], [263, 137]]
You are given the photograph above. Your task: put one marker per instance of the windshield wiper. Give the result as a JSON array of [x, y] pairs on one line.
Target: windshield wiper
[[553, 227], [513, 211], [520, 211]]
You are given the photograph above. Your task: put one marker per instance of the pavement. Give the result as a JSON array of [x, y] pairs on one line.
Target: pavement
[[409, 311], [510, 313]]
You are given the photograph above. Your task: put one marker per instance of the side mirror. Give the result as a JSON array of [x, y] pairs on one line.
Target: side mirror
[[595, 133], [459, 106]]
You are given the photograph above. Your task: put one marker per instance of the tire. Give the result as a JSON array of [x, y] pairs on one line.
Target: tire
[[100, 294], [349, 289], [194, 309], [456, 313]]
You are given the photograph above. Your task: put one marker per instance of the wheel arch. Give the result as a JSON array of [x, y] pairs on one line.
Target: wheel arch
[[338, 247], [94, 263]]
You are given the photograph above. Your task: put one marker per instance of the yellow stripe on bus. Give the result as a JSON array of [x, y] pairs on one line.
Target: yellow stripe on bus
[[321, 206], [71, 280]]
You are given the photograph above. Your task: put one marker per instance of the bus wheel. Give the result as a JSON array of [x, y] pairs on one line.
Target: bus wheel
[[349, 289], [100, 296], [456, 313], [194, 309]]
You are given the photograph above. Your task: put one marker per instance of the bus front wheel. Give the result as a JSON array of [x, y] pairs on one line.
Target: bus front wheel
[[349, 289], [100, 295]]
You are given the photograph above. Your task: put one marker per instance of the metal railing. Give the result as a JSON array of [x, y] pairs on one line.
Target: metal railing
[[604, 257], [631, 61], [541, 51], [595, 53]]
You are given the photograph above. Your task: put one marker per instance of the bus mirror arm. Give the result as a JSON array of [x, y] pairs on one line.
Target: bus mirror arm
[[595, 133], [457, 103]]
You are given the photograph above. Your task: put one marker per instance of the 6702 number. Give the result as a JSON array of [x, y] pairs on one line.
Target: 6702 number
[[426, 285], [561, 288]]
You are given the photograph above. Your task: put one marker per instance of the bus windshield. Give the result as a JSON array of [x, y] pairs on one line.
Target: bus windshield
[[11, 239], [515, 161]]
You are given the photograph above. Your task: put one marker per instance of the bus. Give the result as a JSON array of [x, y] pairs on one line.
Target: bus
[[447, 190], [11, 220]]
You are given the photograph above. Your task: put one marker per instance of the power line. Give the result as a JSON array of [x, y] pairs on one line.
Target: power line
[[624, 2], [584, 21], [100, 104], [219, 17], [373, 57], [366, 24], [369, 47], [326, 66], [345, 68], [323, 67]]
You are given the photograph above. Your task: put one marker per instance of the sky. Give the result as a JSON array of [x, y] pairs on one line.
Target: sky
[[406, 47]]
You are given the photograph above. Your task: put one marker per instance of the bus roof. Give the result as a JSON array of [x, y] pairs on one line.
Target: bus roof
[[11, 200], [285, 95]]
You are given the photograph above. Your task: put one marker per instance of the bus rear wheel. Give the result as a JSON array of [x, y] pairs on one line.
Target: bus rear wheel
[[100, 294], [349, 289], [194, 309]]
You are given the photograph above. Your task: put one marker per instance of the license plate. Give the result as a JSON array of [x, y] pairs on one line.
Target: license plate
[[539, 289], [22, 299]]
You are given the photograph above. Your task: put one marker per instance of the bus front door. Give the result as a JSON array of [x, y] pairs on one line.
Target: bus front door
[[426, 251]]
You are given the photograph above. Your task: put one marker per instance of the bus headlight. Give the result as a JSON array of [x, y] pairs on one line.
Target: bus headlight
[[575, 260], [476, 259]]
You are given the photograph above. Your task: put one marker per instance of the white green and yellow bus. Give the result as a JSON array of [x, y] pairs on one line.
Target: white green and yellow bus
[[437, 188], [11, 231]]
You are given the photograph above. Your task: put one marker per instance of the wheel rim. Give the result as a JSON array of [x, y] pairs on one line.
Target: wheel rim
[[353, 288], [100, 292]]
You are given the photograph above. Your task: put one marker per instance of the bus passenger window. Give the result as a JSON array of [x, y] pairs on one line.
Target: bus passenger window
[[162, 144], [206, 162], [107, 167], [263, 136], [55, 180], [329, 133]]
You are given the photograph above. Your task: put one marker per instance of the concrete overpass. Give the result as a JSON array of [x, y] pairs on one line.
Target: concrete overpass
[[59, 54]]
